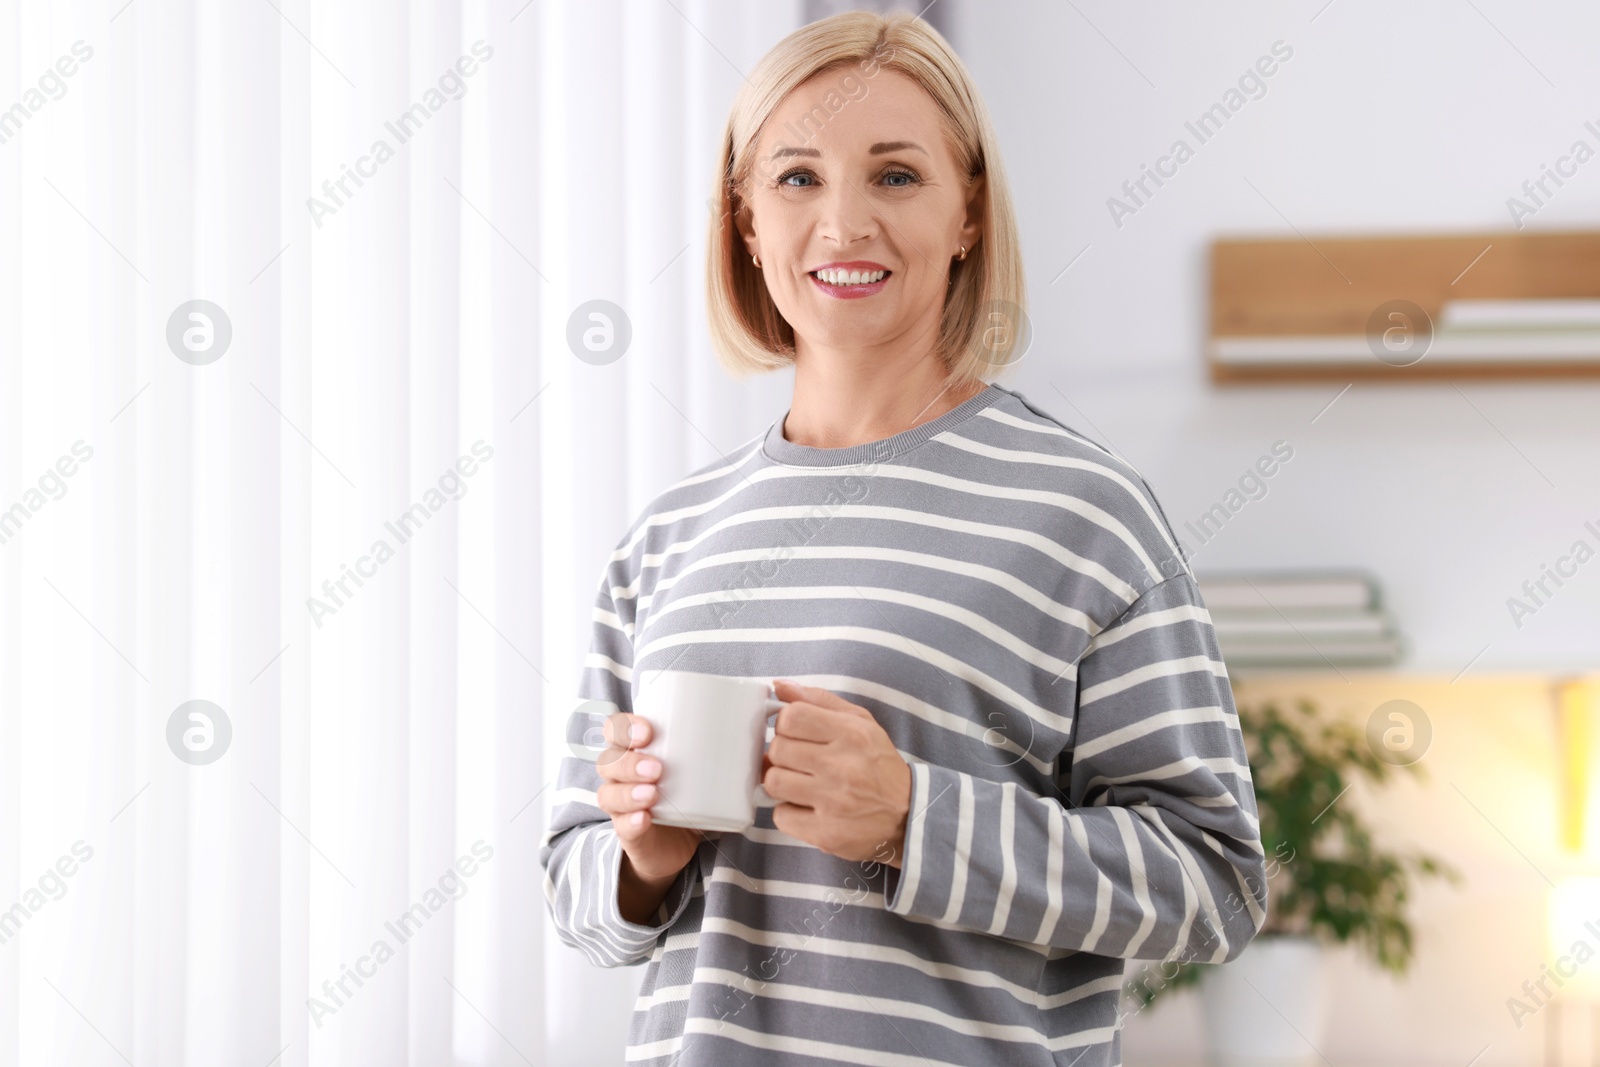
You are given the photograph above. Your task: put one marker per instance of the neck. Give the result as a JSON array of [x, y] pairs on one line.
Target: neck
[[845, 399]]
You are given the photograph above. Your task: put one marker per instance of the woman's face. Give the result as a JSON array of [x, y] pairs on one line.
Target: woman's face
[[871, 188]]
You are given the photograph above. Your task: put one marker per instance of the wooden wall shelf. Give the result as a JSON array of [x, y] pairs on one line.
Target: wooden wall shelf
[[1313, 308]]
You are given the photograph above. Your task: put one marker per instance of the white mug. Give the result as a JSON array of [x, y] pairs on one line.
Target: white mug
[[709, 732]]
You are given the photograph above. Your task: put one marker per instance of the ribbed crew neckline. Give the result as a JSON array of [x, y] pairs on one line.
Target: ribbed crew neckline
[[780, 449]]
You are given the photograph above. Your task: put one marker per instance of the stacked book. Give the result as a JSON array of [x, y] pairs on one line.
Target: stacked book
[[1564, 330], [1300, 619]]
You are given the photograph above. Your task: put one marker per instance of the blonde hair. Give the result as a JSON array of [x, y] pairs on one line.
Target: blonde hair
[[984, 312]]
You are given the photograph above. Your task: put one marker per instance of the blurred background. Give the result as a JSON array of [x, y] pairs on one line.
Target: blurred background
[[310, 461]]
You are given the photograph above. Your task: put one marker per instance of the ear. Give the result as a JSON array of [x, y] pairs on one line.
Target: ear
[[977, 200], [744, 221]]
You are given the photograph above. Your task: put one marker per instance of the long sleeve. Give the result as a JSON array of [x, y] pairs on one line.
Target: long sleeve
[[580, 851], [1150, 848]]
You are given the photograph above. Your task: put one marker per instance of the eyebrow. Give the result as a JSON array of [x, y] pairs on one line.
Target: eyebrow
[[876, 150], [894, 146]]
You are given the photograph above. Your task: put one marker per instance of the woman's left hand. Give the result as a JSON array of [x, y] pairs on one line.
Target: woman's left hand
[[838, 780]]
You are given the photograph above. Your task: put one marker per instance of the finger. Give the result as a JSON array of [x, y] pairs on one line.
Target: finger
[[805, 721], [629, 832], [625, 730], [623, 798], [791, 786], [824, 698], [795, 754], [632, 766], [796, 820]]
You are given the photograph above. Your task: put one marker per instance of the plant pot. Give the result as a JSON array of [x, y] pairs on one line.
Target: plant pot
[[1268, 1007]]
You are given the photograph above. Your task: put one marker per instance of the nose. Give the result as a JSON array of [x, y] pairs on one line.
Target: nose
[[846, 216]]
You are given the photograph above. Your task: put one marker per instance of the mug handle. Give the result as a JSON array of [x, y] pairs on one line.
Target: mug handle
[[762, 797]]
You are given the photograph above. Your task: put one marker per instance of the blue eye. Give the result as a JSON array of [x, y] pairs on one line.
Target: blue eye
[[800, 172]]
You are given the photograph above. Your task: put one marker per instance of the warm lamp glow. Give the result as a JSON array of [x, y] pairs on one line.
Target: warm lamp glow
[[1577, 705], [1573, 936]]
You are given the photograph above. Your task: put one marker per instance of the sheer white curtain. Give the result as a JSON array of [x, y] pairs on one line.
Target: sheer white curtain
[[365, 532]]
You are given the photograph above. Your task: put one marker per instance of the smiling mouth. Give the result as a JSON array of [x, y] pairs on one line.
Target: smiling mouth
[[850, 284], [840, 279]]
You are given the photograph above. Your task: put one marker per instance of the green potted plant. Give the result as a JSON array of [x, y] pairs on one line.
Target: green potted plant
[[1328, 882]]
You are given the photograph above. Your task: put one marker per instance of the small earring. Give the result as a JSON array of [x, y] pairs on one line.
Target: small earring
[[963, 254], [756, 260]]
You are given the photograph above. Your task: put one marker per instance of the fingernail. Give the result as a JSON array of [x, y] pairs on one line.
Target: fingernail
[[649, 767], [642, 791], [638, 818], [636, 731]]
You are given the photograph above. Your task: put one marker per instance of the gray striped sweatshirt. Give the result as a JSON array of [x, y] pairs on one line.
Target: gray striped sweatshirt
[[1008, 600]]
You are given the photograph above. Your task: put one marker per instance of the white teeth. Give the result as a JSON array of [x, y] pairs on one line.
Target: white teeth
[[851, 277]]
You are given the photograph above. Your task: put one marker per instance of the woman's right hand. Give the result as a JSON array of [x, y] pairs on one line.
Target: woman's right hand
[[656, 853]]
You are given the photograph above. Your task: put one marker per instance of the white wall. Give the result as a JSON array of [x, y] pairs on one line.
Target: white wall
[[1387, 118]]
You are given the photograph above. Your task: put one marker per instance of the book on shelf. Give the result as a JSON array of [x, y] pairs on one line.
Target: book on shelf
[[1307, 618], [1297, 624], [1372, 651], [1568, 313], [1299, 590]]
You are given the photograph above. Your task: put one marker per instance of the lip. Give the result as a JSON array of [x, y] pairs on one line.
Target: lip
[[854, 264], [851, 292]]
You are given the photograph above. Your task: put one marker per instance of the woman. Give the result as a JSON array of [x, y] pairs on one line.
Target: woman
[[1008, 758]]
